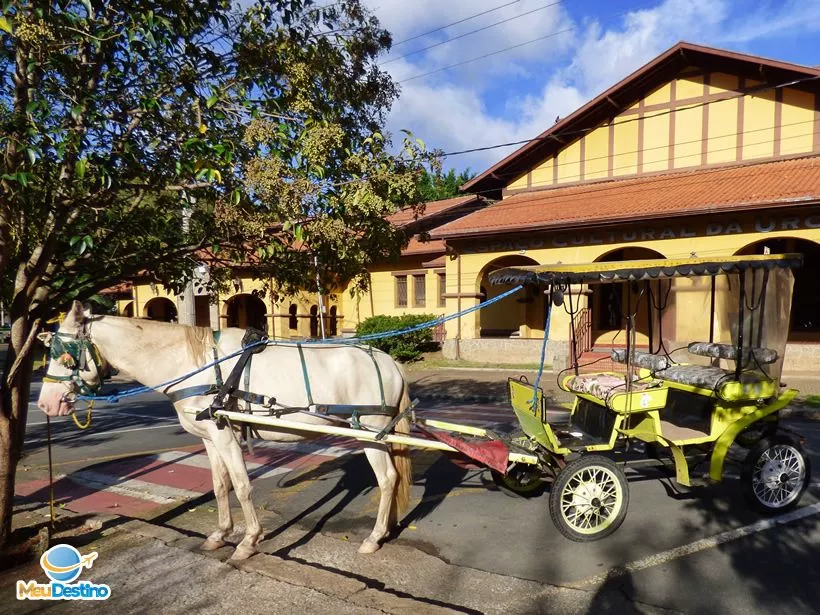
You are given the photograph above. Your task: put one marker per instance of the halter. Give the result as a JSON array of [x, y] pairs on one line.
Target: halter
[[71, 352]]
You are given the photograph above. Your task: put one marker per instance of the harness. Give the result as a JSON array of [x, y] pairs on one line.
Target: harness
[[72, 352], [254, 342]]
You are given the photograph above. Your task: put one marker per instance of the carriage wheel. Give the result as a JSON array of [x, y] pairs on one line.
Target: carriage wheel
[[589, 499], [775, 474], [521, 480]]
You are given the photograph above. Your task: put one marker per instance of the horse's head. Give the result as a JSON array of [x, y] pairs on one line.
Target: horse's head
[[74, 366]]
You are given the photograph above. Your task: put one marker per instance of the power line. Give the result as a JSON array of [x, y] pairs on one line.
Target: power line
[[455, 38], [583, 131], [510, 48], [454, 23], [487, 55]]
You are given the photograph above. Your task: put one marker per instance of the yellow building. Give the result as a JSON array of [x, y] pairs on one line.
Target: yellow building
[[700, 152]]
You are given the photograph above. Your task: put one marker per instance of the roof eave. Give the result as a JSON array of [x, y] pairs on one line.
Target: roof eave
[[572, 224]]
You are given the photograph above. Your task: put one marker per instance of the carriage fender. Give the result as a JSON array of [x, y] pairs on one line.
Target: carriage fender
[[728, 437]]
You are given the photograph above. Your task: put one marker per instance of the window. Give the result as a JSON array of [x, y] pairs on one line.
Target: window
[[401, 291], [442, 289], [293, 321], [419, 290]]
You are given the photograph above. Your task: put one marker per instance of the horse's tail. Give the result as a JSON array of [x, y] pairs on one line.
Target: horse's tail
[[401, 459]]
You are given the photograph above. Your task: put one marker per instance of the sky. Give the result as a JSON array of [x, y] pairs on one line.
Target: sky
[[585, 47]]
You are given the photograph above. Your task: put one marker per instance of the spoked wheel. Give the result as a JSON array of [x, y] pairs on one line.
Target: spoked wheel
[[589, 498], [521, 480], [775, 474]]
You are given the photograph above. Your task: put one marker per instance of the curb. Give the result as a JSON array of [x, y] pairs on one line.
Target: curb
[[290, 572]]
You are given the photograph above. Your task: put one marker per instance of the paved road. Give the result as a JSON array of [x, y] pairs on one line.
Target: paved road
[[693, 552]]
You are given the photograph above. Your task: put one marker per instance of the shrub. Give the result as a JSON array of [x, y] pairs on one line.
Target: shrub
[[406, 347]]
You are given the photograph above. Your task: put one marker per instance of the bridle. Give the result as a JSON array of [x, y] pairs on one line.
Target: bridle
[[72, 352]]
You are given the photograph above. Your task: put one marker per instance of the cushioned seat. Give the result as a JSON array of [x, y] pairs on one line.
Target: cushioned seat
[[701, 376], [727, 351], [751, 385], [601, 385], [646, 360]]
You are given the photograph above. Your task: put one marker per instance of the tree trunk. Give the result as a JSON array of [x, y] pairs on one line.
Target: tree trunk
[[14, 394]]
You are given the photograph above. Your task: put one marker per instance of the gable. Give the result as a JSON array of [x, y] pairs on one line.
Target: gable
[[695, 119], [691, 106]]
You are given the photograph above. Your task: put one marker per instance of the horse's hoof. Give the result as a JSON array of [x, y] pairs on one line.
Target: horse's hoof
[[242, 552], [212, 545], [368, 546]]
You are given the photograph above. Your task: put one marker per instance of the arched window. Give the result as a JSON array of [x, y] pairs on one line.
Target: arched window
[[333, 327], [293, 321]]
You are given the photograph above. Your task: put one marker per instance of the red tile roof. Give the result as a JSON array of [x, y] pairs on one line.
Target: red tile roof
[[700, 191], [417, 246], [433, 208]]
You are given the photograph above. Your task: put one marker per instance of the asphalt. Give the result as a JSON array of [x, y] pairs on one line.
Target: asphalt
[[158, 569]]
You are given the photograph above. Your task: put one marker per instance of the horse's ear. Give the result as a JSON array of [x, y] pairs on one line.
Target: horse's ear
[[76, 312], [86, 310]]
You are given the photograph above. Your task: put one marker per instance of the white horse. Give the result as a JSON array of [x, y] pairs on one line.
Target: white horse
[[155, 352]]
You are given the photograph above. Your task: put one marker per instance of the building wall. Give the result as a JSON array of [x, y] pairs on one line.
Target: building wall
[[647, 138], [381, 297], [276, 309], [716, 236]]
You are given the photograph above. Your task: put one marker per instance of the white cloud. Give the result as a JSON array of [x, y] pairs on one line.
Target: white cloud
[[518, 94]]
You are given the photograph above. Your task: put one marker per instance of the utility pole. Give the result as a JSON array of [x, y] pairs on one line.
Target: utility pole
[[187, 309], [319, 293]]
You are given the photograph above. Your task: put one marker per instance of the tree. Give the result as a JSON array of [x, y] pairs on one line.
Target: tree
[[435, 186], [138, 134]]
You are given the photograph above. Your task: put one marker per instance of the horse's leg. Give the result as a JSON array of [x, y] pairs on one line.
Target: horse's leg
[[386, 476], [222, 484], [231, 454]]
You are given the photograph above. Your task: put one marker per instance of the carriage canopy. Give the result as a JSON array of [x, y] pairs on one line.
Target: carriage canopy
[[622, 271]]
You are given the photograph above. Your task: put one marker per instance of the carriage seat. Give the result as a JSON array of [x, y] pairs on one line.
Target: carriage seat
[[750, 386], [602, 386], [646, 360], [763, 356]]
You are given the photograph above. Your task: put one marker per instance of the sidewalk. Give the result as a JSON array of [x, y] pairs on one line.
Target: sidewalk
[[489, 386], [152, 569]]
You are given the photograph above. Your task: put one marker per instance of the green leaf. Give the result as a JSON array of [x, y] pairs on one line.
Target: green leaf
[[79, 168], [87, 5], [74, 240], [5, 25], [32, 155], [212, 100], [76, 112]]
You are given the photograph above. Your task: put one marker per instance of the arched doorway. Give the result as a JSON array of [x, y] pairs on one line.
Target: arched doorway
[[608, 305], [516, 315], [160, 308], [246, 310], [128, 310], [804, 323], [314, 321]]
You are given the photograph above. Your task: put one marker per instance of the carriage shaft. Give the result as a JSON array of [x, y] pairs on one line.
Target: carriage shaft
[[358, 434]]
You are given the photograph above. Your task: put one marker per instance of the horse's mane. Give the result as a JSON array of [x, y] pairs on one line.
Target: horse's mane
[[200, 341]]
